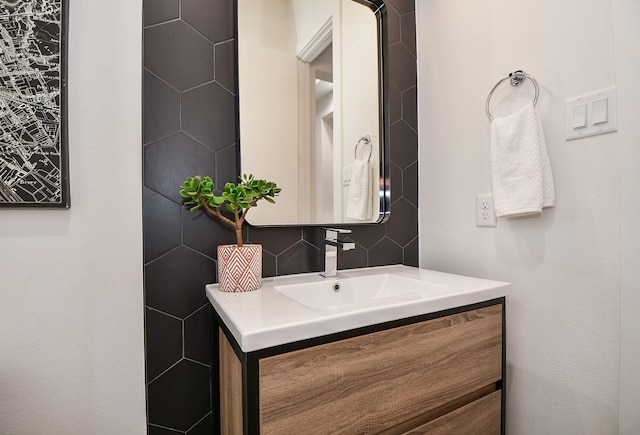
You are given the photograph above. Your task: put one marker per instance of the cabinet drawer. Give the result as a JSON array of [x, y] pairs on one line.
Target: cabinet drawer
[[381, 380], [481, 417]]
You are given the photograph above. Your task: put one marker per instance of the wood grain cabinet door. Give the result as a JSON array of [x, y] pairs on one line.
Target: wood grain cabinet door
[[480, 417], [383, 381]]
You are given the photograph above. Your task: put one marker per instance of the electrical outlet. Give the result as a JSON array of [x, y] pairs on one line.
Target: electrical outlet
[[485, 214], [346, 175]]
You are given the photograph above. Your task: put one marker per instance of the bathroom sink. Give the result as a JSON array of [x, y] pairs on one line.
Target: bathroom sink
[[291, 308], [337, 292]]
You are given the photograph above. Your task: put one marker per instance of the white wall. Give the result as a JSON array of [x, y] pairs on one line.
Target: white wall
[[626, 14], [310, 16], [71, 310], [268, 39], [563, 315], [360, 104]]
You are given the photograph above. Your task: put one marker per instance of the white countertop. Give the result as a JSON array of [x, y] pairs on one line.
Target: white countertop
[[264, 318]]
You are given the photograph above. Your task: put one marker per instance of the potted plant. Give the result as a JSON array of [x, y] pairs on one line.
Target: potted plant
[[239, 265]]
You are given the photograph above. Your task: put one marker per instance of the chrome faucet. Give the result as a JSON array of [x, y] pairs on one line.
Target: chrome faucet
[[332, 243]]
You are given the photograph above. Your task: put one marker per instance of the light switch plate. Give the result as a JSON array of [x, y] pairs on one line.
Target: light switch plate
[[601, 114]]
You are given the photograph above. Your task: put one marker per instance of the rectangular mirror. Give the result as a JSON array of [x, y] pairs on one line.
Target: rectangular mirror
[[311, 98]]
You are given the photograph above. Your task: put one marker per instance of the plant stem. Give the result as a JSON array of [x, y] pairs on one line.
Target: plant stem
[[239, 236], [238, 227], [215, 212]]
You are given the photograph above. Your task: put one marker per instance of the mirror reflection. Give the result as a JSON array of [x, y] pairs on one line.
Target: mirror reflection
[[310, 109]]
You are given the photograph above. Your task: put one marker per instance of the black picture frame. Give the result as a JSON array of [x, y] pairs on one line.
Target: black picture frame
[[34, 161]]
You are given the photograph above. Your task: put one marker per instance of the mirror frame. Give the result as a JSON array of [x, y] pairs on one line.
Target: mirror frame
[[379, 9]]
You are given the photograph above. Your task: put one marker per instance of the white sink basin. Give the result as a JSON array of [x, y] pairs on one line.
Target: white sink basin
[[337, 292], [298, 307]]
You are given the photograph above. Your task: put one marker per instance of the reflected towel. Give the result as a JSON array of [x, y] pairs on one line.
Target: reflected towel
[[360, 199], [520, 168]]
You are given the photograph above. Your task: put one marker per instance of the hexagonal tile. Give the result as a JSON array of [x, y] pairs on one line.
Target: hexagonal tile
[[275, 240], [204, 233], [393, 26], [352, 259], [408, 31], [395, 104], [410, 184], [164, 342], [168, 162], [224, 63], [159, 430], [404, 145], [269, 264], [178, 54], [161, 224], [402, 227], [412, 254], [396, 182], [367, 235], [385, 252], [301, 257], [213, 18], [401, 74], [180, 397], [197, 335], [410, 107], [314, 235], [175, 282], [208, 115], [161, 109], [226, 166], [158, 11], [402, 6], [204, 427]]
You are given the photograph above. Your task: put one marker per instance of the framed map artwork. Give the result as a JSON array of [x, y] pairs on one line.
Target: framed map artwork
[[33, 103]]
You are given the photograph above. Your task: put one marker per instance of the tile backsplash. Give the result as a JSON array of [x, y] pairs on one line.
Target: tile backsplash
[[189, 128]]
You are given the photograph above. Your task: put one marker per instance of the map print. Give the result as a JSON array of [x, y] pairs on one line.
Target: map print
[[32, 146]]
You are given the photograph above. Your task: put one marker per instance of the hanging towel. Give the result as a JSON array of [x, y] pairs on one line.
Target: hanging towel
[[360, 198], [520, 168]]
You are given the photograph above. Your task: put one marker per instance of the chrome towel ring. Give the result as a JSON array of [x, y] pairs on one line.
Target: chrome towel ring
[[367, 141], [515, 78]]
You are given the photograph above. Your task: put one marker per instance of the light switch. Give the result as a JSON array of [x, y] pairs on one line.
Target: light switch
[[591, 114], [600, 111], [580, 116]]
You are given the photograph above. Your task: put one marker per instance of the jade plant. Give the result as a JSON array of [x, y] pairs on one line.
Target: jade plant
[[199, 194]]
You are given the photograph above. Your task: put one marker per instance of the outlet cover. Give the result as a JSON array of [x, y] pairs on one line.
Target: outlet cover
[[485, 214]]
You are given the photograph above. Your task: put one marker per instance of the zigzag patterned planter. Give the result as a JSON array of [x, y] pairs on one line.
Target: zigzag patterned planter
[[239, 268]]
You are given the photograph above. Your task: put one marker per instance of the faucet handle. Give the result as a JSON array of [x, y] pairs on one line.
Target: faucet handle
[[332, 233], [338, 230]]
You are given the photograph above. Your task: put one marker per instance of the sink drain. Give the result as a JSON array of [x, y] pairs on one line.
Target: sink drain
[[336, 287]]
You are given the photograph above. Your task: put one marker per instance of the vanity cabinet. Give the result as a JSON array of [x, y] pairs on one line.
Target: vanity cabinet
[[433, 374]]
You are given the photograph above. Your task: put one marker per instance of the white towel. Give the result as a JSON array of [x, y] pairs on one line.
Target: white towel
[[360, 198], [520, 168]]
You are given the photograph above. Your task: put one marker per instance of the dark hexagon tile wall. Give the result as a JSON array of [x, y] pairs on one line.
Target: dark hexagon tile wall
[[162, 114], [178, 54], [208, 115], [158, 11], [180, 398], [164, 341], [189, 128]]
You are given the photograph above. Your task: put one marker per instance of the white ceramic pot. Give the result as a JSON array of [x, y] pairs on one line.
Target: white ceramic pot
[[239, 267]]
